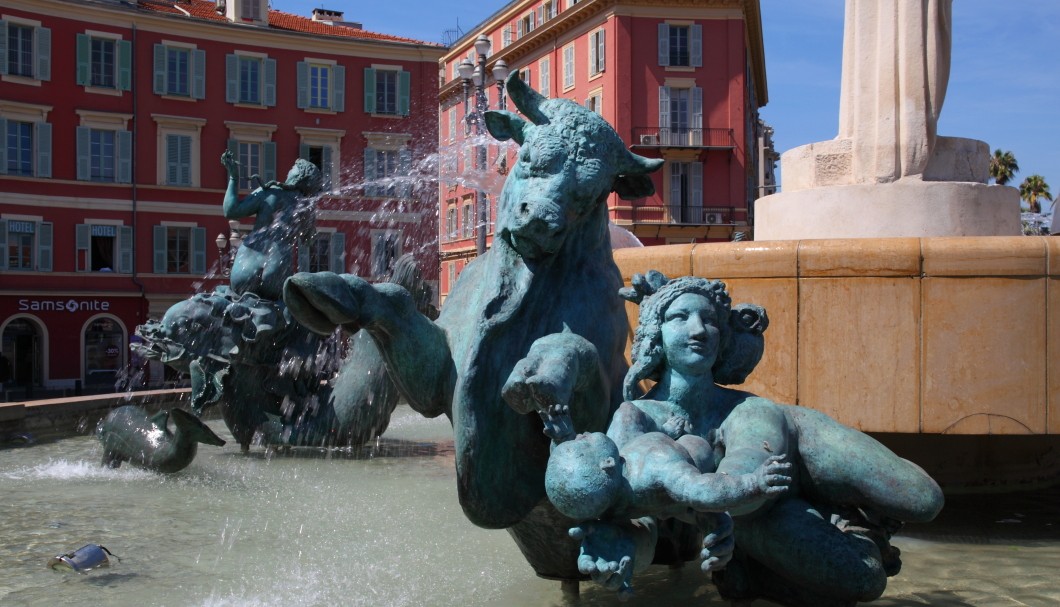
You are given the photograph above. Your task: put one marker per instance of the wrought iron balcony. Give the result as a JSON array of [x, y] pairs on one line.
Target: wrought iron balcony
[[684, 215], [666, 137]]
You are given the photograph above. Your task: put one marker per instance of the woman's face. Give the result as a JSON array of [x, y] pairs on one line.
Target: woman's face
[[690, 334]]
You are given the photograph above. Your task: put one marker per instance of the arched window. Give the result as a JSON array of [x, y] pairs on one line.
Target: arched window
[[22, 362], [105, 350]]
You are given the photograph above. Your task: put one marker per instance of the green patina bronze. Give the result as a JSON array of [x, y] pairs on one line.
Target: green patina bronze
[[691, 443], [129, 434]]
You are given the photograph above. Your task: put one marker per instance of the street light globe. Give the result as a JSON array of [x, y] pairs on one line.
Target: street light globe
[[500, 70], [220, 241], [476, 76], [482, 44], [464, 68]]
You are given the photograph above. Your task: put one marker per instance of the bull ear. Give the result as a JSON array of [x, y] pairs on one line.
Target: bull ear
[[505, 125], [632, 187]]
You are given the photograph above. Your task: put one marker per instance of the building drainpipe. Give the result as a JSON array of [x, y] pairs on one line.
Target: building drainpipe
[[135, 212]]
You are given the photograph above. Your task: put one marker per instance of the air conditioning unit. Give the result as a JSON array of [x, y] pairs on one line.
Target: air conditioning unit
[[714, 218], [649, 140]]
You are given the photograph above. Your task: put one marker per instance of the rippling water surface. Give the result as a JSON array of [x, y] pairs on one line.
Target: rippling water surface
[[381, 526]]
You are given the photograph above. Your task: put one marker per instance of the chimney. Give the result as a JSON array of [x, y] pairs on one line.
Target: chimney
[[330, 17]]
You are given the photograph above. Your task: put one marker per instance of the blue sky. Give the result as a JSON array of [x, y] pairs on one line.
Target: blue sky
[[1004, 81]]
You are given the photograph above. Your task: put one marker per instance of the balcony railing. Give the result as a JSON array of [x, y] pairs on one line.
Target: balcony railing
[[684, 215], [683, 138]]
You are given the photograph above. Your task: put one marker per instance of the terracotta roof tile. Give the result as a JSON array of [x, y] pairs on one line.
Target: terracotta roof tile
[[206, 9]]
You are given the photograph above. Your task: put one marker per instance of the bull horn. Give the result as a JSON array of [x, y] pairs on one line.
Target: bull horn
[[641, 165], [526, 99]]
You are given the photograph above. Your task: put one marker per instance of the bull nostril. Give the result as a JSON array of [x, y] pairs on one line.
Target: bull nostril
[[524, 208]]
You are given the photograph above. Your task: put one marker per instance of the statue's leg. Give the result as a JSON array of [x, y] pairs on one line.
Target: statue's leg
[[804, 556], [845, 466], [544, 539]]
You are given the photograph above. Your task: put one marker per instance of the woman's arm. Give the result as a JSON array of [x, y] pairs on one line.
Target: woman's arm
[[234, 208], [753, 432]]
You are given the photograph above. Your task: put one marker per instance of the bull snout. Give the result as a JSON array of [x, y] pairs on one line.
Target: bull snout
[[538, 228]]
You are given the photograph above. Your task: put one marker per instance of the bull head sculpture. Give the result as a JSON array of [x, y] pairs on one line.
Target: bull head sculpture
[[569, 161]]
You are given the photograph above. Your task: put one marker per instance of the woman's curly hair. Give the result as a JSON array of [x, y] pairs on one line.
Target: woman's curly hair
[[739, 348], [310, 180]]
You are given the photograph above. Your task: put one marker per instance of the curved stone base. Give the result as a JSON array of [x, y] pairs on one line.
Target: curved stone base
[[908, 208]]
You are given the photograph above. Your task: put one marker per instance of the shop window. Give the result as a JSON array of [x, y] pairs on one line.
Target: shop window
[[179, 250], [386, 91], [26, 245], [105, 347], [22, 347]]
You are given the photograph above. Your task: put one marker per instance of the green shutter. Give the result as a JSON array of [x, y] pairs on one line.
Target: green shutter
[[84, 56], [43, 132], [404, 168], [337, 263], [304, 253], [404, 90], [44, 246], [664, 115], [3, 47], [123, 142], [172, 153], [303, 151], [231, 78], [302, 78], [269, 92], [326, 168], [184, 160], [695, 47], [82, 240], [369, 90], [338, 90], [3, 229], [124, 51], [268, 161], [84, 168], [44, 53], [695, 189], [198, 251], [125, 249], [198, 75], [369, 172], [3, 146], [160, 249], [160, 70], [696, 122], [664, 44], [233, 146]]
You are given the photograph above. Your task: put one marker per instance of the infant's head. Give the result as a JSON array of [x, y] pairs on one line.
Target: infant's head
[[584, 476]]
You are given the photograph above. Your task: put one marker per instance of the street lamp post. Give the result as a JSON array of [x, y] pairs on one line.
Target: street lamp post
[[476, 74], [227, 246]]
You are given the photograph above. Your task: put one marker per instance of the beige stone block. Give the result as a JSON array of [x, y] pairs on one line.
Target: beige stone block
[[775, 259], [983, 354], [672, 260], [1052, 368], [1052, 254], [775, 377], [984, 256], [860, 257], [858, 351]]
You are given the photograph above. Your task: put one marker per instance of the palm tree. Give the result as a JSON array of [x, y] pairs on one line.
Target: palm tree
[[1032, 189], [1003, 166]]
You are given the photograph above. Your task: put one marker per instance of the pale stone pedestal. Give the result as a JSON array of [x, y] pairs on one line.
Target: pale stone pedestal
[[951, 198]]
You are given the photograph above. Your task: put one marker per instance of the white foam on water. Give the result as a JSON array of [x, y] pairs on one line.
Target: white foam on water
[[65, 470]]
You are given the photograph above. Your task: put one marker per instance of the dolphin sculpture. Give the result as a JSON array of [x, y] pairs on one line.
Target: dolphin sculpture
[[129, 434]]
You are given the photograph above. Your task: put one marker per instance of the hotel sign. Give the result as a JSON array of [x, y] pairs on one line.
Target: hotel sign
[[61, 305]]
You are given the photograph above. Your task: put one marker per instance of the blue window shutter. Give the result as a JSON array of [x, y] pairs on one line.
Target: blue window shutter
[[696, 45], [369, 172], [404, 168], [303, 151], [198, 75], [83, 153], [184, 160], [369, 90], [124, 51], [269, 91], [198, 251], [327, 169], [172, 154], [44, 246], [695, 187], [697, 116], [664, 44], [268, 160], [159, 249], [3, 48], [664, 114], [160, 70], [337, 263], [232, 78], [304, 253], [3, 146], [84, 55], [404, 90], [44, 53], [302, 78], [3, 236], [123, 142], [338, 88], [82, 240], [233, 146], [125, 249], [43, 132]]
